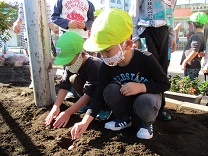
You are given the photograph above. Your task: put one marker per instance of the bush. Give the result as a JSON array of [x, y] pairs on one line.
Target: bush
[[188, 86], [8, 14]]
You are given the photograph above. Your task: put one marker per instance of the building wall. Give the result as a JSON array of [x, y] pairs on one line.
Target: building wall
[[182, 14], [121, 4], [15, 40]]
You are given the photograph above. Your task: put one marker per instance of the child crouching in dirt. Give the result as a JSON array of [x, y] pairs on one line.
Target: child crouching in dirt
[[80, 73], [129, 80]]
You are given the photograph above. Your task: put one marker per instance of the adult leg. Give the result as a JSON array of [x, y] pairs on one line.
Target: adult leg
[[157, 44]]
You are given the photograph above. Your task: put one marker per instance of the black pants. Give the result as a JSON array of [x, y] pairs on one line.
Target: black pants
[[157, 44]]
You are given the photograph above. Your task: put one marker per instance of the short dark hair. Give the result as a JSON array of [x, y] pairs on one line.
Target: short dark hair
[[189, 22], [198, 25]]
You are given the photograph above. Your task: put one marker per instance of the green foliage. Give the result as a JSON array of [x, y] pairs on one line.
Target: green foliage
[[185, 85], [8, 15]]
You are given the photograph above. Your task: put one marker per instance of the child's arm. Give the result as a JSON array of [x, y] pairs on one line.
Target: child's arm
[[63, 118], [50, 23], [20, 20], [133, 88], [17, 26], [205, 68], [53, 28], [56, 107], [194, 49], [134, 12], [188, 59], [81, 127], [90, 16], [63, 23], [172, 39]]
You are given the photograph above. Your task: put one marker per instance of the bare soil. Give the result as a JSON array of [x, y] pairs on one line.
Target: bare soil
[[22, 129]]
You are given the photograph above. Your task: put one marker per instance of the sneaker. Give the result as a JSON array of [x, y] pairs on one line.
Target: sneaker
[[83, 109], [118, 124], [164, 116], [104, 114], [145, 132], [31, 85]]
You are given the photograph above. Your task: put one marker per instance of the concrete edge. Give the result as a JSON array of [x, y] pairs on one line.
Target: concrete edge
[[188, 105]]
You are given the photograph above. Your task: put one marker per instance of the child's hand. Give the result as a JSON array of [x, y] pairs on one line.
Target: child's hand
[[80, 24], [205, 68], [173, 46], [55, 30], [78, 129], [16, 27], [201, 54], [61, 120], [72, 24], [52, 115], [132, 88], [183, 66]]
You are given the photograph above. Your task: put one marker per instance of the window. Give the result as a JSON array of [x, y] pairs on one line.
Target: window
[[113, 1], [118, 1], [102, 1]]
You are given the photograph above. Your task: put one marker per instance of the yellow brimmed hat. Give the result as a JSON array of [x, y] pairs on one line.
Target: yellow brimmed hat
[[111, 27]]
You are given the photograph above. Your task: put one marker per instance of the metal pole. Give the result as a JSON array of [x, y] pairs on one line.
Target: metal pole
[[39, 51]]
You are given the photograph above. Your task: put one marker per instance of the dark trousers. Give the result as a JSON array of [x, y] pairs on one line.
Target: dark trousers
[[157, 44], [145, 106]]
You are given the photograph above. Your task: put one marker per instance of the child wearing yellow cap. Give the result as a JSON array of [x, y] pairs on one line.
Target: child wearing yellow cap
[[129, 80], [190, 62], [153, 24], [80, 73]]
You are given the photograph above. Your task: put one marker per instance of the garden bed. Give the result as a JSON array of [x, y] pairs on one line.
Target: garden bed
[[23, 131], [184, 97]]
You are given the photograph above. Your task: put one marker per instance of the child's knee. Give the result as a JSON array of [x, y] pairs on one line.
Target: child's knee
[[111, 90], [146, 106]]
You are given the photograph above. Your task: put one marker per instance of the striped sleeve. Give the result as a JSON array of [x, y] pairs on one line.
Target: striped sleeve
[[21, 12], [48, 12]]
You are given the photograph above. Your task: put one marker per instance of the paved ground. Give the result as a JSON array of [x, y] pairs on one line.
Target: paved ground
[[175, 68]]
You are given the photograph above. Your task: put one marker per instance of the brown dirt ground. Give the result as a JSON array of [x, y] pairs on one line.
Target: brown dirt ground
[[22, 129]]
